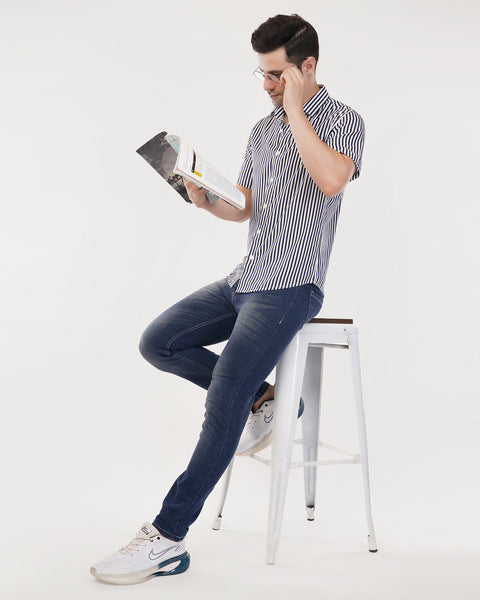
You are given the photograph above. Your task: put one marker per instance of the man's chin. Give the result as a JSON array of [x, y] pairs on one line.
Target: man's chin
[[276, 100]]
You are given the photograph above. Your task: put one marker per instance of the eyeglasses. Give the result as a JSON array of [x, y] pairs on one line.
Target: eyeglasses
[[261, 75]]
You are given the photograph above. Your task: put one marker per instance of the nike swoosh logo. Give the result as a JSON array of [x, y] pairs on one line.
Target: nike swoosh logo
[[153, 555], [268, 418]]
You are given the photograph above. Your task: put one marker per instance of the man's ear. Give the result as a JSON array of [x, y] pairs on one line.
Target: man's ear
[[308, 66]]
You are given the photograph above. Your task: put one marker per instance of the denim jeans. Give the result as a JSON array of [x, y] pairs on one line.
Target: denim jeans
[[258, 327]]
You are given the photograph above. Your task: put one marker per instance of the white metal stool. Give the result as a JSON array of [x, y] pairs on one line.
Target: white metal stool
[[299, 374]]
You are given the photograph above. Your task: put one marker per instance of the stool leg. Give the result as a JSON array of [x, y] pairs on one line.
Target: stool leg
[[362, 434], [288, 386], [310, 423], [226, 481]]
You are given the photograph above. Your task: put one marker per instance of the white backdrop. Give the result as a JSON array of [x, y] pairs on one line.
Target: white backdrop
[[94, 245]]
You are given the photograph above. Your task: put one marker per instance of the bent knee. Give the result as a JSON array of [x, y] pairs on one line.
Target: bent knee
[[152, 348]]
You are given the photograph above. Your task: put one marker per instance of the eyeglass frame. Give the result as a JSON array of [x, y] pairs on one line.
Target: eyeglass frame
[[259, 74], [267, 75]]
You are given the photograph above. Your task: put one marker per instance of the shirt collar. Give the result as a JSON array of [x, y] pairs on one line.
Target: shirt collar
[[311, 106]]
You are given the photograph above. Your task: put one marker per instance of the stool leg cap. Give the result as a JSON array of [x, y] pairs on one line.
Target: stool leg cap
[[372, 544]]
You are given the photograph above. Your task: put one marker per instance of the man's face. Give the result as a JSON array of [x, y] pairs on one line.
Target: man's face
[[275, 63]]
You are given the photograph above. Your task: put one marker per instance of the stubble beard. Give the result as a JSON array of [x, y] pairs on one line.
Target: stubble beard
[[277, 101]]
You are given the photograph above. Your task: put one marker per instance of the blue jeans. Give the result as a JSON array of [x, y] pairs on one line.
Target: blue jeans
[[258, 326]]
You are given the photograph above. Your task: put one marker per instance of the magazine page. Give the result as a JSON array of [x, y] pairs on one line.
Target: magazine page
[[194, 168]]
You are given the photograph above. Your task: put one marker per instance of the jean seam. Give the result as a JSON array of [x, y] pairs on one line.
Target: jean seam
[[310, 303], [212, 465], [312, 296], [192, 362], [289, 307], [189, 330]]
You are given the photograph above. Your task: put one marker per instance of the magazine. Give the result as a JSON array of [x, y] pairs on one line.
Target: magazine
[[173, 159]]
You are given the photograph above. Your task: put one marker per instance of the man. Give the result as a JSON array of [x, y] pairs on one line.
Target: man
[[298, 161]]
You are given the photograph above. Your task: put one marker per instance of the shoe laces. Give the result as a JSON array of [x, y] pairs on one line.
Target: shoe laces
[[133, 545]]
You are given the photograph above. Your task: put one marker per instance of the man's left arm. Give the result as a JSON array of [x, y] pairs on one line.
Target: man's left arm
[[330, 170]]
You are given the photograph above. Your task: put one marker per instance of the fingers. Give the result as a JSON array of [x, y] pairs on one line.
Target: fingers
[[294, 83], [292, 75], [195, 193], [190, 185]]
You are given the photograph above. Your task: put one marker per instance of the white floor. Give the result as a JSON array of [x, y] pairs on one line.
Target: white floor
[[321, 561], [89, 465], [48, 554]]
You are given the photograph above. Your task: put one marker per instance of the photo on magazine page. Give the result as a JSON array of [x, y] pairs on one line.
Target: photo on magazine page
[[162, 157]]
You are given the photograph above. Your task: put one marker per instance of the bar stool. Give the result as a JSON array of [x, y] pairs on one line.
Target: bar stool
[[299, 374]]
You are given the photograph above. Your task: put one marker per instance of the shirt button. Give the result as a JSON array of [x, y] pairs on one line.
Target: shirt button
[[281, 130], [265, 205], [271, 179], [251, 257], [277, 152], [259, 232]]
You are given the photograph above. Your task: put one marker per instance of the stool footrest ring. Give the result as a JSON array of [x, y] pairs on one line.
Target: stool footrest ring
[[312, 463]]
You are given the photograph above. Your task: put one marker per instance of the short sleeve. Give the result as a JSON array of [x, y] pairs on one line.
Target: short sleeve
[[245, 177], [347, 136]]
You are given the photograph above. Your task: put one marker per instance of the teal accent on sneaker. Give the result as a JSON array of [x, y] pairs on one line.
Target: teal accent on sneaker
[[301, 406], [180, 568]]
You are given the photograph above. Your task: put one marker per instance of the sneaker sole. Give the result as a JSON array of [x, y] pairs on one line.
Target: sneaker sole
[[172, 566], [258, 446]]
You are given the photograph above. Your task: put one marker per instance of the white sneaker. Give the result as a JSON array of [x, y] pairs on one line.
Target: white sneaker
[[148, 555], [258, 431]]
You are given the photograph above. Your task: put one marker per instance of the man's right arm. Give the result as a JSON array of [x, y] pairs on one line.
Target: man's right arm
[[220, 209]]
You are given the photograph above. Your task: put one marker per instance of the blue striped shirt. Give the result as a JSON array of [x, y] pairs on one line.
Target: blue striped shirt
[[292, 224]]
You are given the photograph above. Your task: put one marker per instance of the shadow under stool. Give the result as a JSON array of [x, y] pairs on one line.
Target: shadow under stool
[[299, 374]]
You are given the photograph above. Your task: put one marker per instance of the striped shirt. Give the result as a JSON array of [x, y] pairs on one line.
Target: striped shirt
[[292, 224]]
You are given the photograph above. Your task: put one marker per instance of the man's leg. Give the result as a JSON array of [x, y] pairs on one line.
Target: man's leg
[[266, 323], [174, 341]]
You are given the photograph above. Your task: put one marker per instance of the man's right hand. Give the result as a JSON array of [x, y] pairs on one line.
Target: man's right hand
[[219, 209], [196, 194]]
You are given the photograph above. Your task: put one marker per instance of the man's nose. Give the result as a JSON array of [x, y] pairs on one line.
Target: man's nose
[[268, 84]]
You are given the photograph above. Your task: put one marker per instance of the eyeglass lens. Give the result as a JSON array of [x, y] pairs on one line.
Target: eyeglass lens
[[261, 75]]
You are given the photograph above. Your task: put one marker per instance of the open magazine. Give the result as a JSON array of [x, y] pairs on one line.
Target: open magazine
[[173, 159]]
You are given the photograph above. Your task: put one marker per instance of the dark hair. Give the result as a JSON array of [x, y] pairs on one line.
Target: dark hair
[[299, 38]]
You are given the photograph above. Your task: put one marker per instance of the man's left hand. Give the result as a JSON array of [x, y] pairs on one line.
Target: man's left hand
[[294, 82]]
